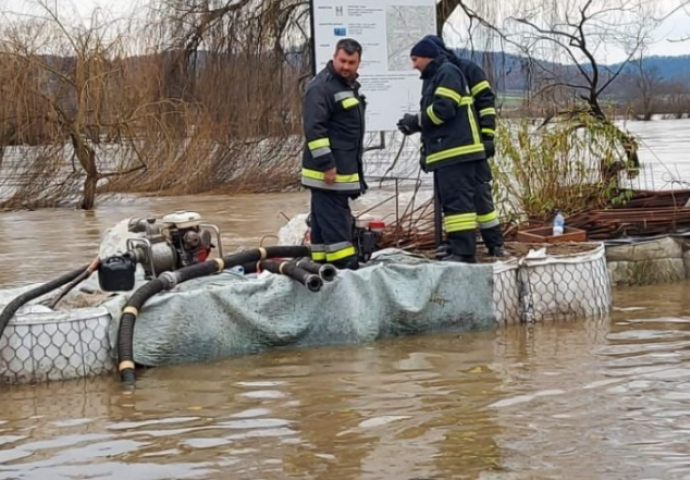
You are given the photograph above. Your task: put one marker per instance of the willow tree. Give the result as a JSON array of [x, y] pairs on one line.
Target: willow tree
[[63, 89]]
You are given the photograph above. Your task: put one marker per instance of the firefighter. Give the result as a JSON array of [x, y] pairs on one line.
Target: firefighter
[[332, 160], [485, 107], [451, 145]]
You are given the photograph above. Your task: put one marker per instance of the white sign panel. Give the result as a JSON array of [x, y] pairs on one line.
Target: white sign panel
[[387, 30]]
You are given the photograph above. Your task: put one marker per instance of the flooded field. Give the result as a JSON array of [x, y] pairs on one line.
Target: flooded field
[[578, 400]]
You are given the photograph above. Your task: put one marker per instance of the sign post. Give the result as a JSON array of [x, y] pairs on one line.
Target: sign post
[[387, 30]]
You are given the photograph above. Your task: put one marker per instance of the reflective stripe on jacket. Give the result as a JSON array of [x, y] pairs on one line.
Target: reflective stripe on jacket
[[334, 133], [483, 94], [450, 131]]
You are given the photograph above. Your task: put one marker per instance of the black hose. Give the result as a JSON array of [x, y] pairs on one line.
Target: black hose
[[290, 269], [252, 267], [168, 280], [85, 274], [125, 335], [326, 271], [25, 297]]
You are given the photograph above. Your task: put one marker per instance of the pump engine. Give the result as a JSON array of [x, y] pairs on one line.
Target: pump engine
[[176, 241]]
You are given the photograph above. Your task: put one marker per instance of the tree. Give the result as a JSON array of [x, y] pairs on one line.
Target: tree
[[553, 32], [647, 84], [677, 98]]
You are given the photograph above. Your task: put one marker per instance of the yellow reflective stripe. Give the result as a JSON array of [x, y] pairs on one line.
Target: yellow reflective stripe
[[454, 152], [473, 124], [319, 143], [467, 101], [461, 228], [347, 178], [432, 115], [488, 217], [350, 102], [340, 254], [461, 217], [479, 87], [316, 175], [461, 222], [488, 131], [318, 256], [447, 92], [487, 111], [470, 223]]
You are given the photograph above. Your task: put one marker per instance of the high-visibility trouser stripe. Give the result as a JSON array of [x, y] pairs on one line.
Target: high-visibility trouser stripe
[[338, 251], [454, 152], [432, 115], [448, 93], [319, 143], [488, 131], [480, 87], [474, 125], [348, 103], [487, 111], [318, 253], [460, 222], [489, 220]]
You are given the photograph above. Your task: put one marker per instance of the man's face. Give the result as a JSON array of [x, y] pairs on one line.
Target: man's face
[[346, 65], [420, 63]]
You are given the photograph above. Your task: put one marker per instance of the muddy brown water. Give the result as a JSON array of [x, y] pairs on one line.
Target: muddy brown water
[[577, 400]]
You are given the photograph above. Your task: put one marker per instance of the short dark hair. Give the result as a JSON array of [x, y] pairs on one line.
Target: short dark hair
[[350, 45]]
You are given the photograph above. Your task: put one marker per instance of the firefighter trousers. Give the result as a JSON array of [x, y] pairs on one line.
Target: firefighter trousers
[[456, 186], [487, 217], [332, 229]]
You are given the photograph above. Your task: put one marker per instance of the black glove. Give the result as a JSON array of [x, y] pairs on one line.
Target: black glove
[[489, 148], [422, 158], [409, 124], [422, 164]]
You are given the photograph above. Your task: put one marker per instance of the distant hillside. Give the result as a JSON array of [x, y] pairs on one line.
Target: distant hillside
[[670, 68], [512, 70]]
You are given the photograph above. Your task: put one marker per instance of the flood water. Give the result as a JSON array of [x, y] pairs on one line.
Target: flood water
[[578, 400]]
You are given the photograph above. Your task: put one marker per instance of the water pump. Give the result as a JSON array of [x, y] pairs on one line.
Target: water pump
[[176, 241]]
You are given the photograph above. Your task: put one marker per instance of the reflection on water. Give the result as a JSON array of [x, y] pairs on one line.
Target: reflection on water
[[578, 400], [524, 402], [36, 246]]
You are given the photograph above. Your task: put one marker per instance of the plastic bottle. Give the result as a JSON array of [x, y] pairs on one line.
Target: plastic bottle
[[558, 224], [239, 269]]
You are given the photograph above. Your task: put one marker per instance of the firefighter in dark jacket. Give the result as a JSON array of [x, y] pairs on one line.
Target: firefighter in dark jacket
[[332, 161], [451, 144], [485, 108]]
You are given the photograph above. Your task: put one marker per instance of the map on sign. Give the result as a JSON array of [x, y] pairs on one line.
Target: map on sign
[[387, 30], [404, 27]]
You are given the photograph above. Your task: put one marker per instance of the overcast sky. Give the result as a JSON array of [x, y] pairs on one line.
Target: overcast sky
[[676, 27]]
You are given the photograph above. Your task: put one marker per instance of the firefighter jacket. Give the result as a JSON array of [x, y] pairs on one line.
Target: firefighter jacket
[[450, 132], [484, 97], [334, 133]]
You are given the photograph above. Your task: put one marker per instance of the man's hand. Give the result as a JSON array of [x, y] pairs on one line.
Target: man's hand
[[409, 124], [329, 176]]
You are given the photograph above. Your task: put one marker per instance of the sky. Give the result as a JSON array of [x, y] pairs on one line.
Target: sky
[[677, 26]]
